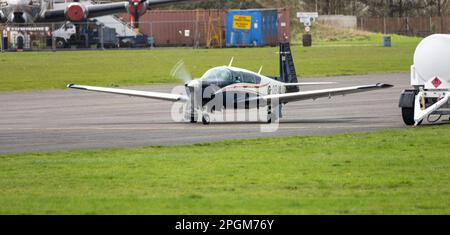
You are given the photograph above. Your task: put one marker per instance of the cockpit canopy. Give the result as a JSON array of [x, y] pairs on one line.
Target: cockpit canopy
[[223, 75]]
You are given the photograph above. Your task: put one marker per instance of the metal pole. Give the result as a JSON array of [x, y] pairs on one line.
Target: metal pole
[[101, 37], [3, 40], [53, 38], [431, 26], [407, 23], [86, 35]]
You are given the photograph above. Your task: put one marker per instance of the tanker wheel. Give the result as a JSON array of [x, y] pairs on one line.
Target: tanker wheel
[[408, 116]]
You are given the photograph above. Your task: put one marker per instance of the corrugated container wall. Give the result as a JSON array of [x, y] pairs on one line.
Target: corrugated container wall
[[284, 25], [255, 27], [182, 27]]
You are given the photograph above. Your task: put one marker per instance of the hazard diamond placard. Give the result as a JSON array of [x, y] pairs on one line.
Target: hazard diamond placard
[[436, 82]]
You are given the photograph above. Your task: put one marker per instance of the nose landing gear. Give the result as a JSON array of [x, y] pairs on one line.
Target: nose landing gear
[[206, 120]]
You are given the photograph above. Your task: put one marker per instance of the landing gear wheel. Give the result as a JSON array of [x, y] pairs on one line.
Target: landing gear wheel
[[271, 116], [193, 120], [192, 114], [272, 119], [206, 119]]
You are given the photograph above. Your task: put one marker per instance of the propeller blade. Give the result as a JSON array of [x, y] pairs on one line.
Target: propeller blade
[[180, 72], [136, 16]]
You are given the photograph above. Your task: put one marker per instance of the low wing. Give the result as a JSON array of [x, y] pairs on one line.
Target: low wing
[[144, 94], [308, 83], [306, 95], [97, 10]]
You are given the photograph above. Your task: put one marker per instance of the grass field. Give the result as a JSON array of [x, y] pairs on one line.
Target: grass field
[[391, 172], [54, 70]]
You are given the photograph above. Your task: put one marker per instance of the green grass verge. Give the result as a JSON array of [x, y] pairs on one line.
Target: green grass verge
[[327, 35], [390, 172], [54, 70]]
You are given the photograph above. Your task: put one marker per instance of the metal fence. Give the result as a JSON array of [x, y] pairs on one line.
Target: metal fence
[[412, 26], [111, 35], [37, 37]]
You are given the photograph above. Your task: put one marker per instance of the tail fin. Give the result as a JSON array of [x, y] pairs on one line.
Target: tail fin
[[287, 67]]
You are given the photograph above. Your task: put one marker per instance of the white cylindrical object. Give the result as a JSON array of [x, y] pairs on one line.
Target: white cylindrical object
[[432, 58]]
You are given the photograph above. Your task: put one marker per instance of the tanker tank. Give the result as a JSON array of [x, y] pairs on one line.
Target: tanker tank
[[432, 59]]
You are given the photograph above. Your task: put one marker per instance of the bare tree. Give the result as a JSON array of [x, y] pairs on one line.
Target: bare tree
[[345, 7]]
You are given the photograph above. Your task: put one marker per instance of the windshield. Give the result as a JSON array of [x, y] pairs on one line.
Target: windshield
[[218, 75]]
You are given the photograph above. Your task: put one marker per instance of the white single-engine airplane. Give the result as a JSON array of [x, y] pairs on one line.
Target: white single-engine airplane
[[34, 11], [228, 87]]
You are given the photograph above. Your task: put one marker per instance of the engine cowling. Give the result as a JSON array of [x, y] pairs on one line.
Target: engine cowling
[[76, 12], [140, 6]]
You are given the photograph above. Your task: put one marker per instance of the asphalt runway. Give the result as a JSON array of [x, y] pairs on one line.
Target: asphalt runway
[[72, 119]]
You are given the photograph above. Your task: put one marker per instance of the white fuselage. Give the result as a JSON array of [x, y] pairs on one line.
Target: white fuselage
[[228, 87], [265, 86]]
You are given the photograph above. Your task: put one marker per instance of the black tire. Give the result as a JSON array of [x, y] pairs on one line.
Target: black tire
[[408, 116], [206, 119], [271, 116], [60, 43]]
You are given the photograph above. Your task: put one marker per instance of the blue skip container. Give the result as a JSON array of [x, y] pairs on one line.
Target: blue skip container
[[387, 41], [254, 27]]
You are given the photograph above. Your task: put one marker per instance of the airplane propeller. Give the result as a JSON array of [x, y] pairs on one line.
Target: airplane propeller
[[180, 72]]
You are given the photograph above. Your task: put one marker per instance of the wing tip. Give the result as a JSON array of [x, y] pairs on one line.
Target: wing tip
[[74, 86], [384, 85]]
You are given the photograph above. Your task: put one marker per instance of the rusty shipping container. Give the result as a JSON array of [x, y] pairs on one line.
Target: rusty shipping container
[[183, 27], [194, 28]]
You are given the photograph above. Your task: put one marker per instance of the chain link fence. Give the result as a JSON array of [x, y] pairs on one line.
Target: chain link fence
[[411, 26], [109, 35]]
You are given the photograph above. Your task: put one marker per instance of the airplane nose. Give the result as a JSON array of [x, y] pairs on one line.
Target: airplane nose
[[193, 83]]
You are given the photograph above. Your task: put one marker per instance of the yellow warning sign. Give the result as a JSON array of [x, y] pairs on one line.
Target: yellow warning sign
[[242, 22]]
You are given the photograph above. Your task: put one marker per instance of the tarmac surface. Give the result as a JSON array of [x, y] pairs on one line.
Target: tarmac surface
[[73, 119]]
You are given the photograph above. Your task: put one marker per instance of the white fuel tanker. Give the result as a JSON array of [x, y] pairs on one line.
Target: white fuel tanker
[[430, 79]]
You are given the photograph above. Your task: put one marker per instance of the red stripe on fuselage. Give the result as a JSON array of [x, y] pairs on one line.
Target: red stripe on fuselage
[[250, 86]]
